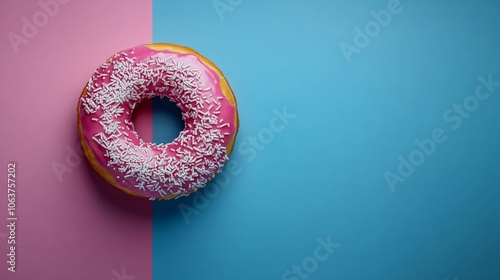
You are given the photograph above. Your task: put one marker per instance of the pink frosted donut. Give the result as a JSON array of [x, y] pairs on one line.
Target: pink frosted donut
[[149, 170]]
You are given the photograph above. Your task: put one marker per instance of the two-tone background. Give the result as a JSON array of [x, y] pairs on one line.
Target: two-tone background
[[368, 146]]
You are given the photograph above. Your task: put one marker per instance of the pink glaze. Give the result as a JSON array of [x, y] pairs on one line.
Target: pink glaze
[[147, 169]]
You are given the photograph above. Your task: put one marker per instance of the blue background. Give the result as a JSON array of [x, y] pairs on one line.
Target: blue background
[[324, 173]]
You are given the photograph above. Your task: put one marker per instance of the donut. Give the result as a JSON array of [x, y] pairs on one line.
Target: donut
[[149, 170]]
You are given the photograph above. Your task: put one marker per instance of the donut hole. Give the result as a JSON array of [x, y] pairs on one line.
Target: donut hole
[[167, 120]]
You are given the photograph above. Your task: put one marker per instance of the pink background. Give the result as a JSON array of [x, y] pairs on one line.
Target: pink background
[[80, 228]]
